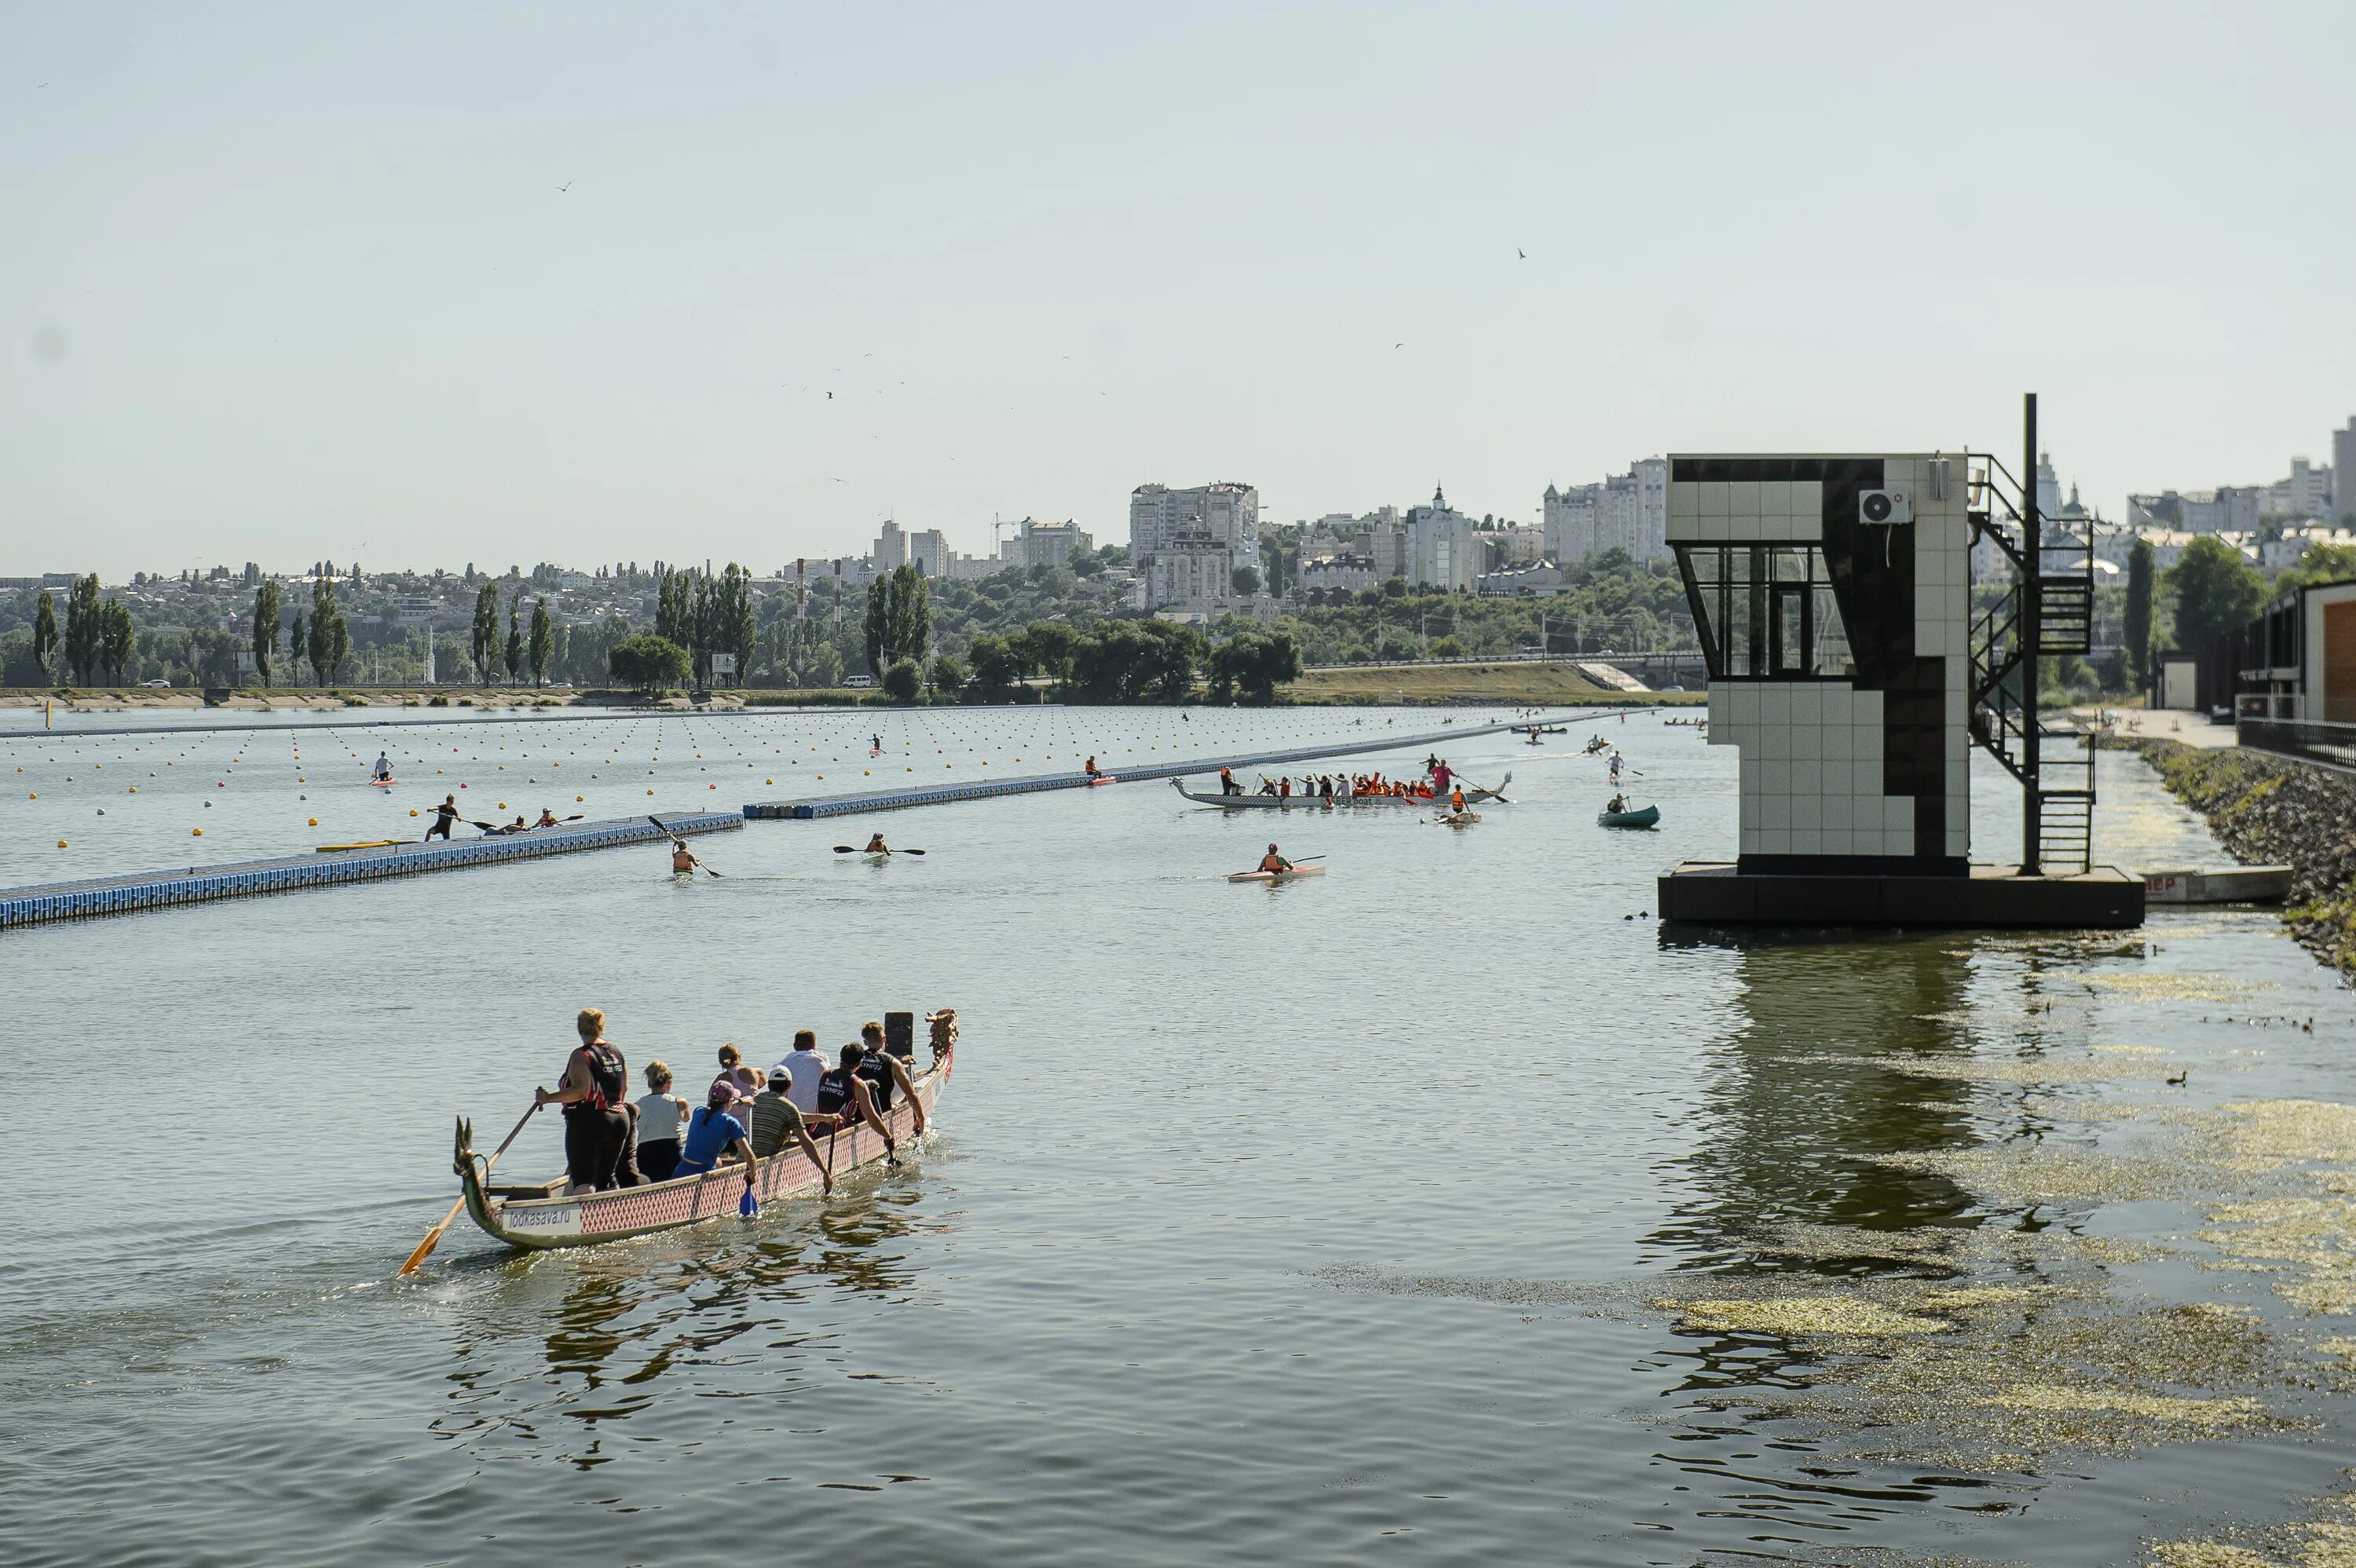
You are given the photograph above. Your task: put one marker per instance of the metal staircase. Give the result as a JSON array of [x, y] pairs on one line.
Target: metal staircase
[[2049, 607]]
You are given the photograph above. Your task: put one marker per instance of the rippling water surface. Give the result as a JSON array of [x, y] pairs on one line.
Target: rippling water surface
[[1435, 1210]]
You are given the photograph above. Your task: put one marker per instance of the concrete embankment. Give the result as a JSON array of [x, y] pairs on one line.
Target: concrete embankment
[[2270, 810]]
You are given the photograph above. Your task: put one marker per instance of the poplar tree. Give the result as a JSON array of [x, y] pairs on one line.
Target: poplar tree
[[2137, 632], [266, 629], [515, 637], [82, 628], [45, 632], [544, 642], [486, 629]]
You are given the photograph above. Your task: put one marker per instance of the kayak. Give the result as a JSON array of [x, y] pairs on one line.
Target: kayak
[[1645, 819], [682, 876], [1276, 875], [877, 858], [367, 844], [1458, 818]]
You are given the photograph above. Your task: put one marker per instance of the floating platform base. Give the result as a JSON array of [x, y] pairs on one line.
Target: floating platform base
[[1711, 892], [2230, 885]]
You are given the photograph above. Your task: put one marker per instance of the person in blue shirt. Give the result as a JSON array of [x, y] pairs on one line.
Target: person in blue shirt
[[713, 1135]]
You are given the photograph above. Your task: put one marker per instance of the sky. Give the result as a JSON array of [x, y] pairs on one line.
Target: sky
[[500, 283]]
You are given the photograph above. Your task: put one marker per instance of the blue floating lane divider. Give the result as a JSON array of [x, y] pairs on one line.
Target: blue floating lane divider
[[935, 794], [157, 890]]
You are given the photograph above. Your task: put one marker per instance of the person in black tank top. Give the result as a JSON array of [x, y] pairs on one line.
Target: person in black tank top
[[886, 1072], [594, 1086], [843, 1095]]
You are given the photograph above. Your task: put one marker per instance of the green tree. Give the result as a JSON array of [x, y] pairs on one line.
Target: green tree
[[2318, 563], [2216, 591], [487, 630], [515, 637], [265, 630], [903, 680], [1244, 580], [83, 630], [998, 667], [1252, 665], [948, 674], [544, 642], [298, 645], [649, 662], [1049, 648], [45, 634], [117, 638], [330, 638], [2136, 633], [878, 624], [734, 628]]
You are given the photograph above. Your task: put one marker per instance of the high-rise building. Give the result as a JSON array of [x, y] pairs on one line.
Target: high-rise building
[[1228, 511], [1045, 544], [1442, 550], [1628, 511], [891, 548], [928, 552], [2306, 492], [2343, 472]]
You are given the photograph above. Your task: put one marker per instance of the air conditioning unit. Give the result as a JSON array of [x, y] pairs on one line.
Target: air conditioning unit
[[1885, 508]]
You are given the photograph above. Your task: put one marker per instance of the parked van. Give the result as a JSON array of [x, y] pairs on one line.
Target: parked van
[[858, 680]]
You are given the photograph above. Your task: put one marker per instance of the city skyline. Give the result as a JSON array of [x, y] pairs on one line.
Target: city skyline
[[555, 284]]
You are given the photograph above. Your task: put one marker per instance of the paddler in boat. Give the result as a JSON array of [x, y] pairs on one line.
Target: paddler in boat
[[1440, 774], [383, 768], [886, 1073], [714, 1136], [547, 818], [1274, 860], [1090, 767], [1227, 784], [844, 1101], [777, 1119], [681, 859], [875, 846], [1619, 804], [1456, 803], [595, 1082]]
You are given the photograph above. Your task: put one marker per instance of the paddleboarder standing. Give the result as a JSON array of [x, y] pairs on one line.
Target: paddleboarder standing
[[384, 769], [443, 816]]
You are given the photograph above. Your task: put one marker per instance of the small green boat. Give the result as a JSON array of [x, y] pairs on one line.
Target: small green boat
[[1647, 818]]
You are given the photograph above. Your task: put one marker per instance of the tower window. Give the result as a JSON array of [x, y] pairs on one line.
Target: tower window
[[1765, 612]]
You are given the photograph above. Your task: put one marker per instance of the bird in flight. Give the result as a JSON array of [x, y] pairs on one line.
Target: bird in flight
[[1525, 255], [829, 396], [1399, 345], [565, 186]]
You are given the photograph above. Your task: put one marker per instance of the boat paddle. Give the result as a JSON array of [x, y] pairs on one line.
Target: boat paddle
[[434, 1237], [847, 849]]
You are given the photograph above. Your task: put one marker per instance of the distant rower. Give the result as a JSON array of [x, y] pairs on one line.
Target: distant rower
[[875, 846]]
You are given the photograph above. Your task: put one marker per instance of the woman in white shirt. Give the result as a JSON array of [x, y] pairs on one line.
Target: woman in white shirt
[[660, 1115]]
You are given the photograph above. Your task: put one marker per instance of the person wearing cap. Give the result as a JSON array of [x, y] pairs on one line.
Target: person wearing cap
[[777, 1118], [713, 1135], [886, 1073]]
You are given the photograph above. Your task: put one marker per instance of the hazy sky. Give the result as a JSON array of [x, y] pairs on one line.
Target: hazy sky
[[281, 282]]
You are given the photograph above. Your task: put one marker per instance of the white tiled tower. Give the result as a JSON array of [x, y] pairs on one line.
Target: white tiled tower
[[1839, 652]]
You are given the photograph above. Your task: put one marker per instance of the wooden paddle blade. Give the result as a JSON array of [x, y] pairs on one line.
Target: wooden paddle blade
[[433, 1239]]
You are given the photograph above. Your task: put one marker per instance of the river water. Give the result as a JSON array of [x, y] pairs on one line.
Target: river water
[[1437, 1210]]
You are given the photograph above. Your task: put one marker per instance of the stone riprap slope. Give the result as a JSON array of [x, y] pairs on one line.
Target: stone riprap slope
[[2271, 810]]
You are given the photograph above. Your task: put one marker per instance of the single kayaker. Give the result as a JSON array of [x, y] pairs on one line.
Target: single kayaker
[[1090, 767], [1619, 804], [1273, 861], [681, 860], [547, 818], [875, 846], [443, 816]]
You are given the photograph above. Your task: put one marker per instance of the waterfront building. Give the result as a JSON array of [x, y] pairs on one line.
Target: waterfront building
[[1346, 572]]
